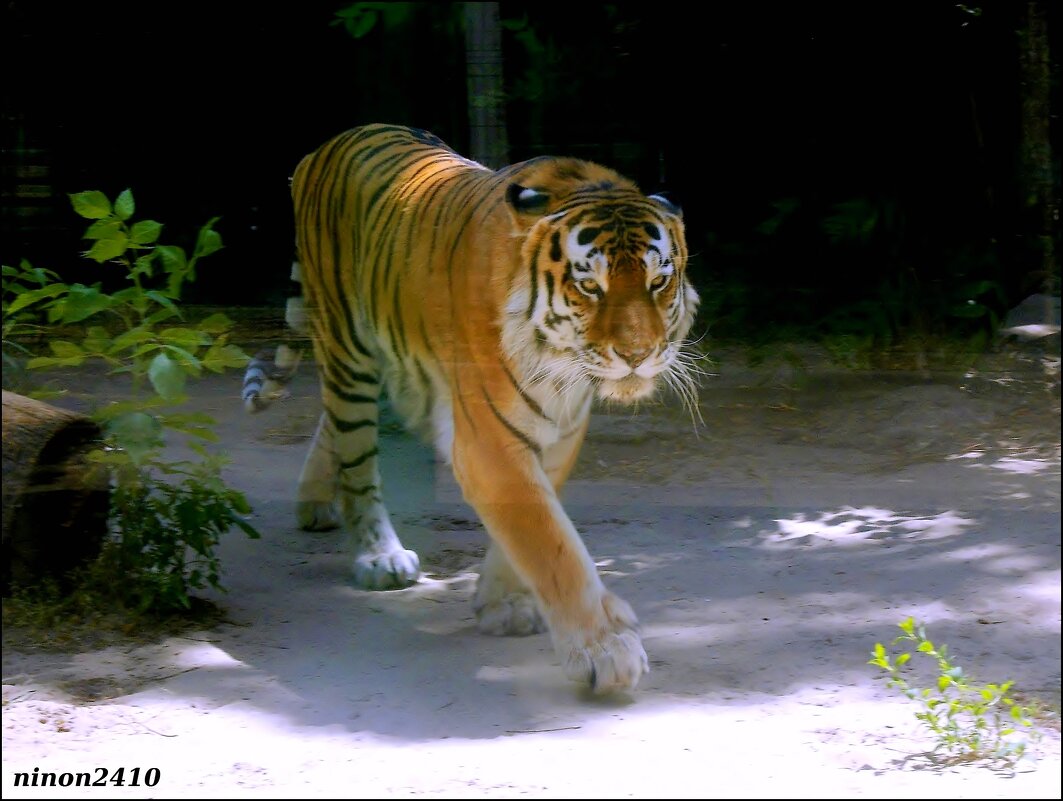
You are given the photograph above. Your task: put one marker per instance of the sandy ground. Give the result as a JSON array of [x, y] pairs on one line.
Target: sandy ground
[[766, 552]]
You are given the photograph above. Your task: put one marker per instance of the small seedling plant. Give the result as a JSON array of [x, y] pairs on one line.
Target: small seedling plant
[[970, 722]]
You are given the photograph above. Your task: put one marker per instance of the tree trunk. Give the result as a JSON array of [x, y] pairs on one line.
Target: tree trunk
[[55, 501], [1041, 184], [488, 143]]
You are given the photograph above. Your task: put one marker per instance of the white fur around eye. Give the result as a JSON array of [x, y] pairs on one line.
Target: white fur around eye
[[578, 254]]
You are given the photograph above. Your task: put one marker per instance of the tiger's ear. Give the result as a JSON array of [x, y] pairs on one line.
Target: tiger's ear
[[526, 204], [668, 201]]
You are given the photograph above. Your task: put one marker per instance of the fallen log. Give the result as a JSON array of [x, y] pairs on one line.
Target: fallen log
[[55, 501]]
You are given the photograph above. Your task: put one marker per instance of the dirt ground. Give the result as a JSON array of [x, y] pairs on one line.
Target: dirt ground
[[766, 551]]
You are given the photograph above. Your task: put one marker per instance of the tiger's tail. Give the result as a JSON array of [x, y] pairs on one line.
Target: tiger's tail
[[270, 371]]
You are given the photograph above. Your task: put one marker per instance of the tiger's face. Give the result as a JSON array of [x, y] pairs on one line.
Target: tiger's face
[[609, 304]]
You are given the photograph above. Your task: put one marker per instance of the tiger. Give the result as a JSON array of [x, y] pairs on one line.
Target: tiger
[[492, 307]]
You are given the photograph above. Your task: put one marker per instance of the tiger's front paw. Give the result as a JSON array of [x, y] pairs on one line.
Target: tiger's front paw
[[610, 658], [391, 570]]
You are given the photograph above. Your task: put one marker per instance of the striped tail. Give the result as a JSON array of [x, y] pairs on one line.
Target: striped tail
[[270, 371]]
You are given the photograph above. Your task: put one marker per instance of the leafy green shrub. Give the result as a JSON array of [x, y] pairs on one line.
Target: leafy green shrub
[[969, 721], [167, 515], [171, 516]]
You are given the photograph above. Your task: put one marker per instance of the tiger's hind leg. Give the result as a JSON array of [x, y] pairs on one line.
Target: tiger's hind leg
[[503, 603], [341, 469], [315, 507]]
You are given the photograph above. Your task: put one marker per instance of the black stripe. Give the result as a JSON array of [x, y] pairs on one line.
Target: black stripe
[[351, 375], [347, 426], [535, 407], [428, 392], [344, 395], [358, 461], [459, 396], [516, 432], [534, 280]]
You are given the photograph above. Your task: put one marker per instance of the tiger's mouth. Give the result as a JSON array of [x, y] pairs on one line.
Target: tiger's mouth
[[628, 389]]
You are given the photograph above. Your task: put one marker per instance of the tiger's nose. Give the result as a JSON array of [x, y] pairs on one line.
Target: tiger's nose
[[632, 354]]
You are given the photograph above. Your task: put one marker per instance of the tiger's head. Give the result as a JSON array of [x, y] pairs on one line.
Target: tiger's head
[[607, 301]]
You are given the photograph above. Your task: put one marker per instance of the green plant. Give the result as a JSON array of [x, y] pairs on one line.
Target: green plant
[[173, 514], [167, 515], [26, 291], [360, 18], [969, 721]]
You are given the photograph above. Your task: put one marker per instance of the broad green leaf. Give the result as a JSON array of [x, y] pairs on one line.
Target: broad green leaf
[[138, 433], [167, 377], [193, 429], [131, 338], [103, 229], [107, 249], [145, 232], [31, 296], [128, 295], [161, 299], [44, 362], [173, 258], [209, 242], [117, 409], [189, 418], [359, 24], [124, 205], [184, 337], [246, 527], [83, 302], [40, 275], [215, 324], [97, 340], [91, 205], [145, 349], [186, 360], [64, 349], [165, 313], [220, 357]]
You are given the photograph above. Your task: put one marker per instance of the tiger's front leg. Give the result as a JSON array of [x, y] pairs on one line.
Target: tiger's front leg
[[341, 471], [503, 603], [595, 633]]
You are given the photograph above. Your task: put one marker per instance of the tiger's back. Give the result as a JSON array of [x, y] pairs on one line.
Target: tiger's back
[[493, 305], [384, 295]]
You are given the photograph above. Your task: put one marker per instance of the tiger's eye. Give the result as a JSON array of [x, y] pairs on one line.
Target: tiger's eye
[[590, 286], [659, 282]]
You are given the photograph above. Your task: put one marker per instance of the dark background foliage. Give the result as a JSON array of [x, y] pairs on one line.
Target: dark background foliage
[[843, 166]]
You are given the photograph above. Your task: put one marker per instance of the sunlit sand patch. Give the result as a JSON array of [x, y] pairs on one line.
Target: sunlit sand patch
[[852, 525]]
